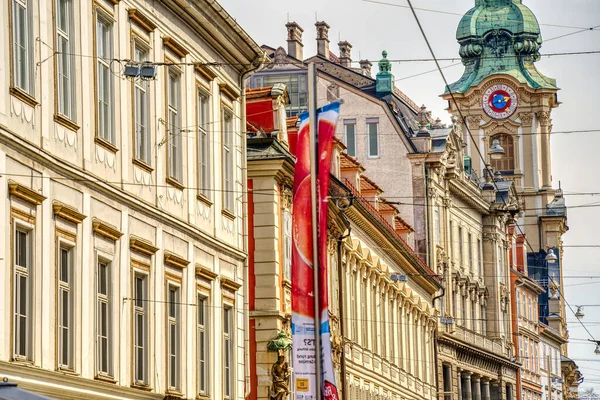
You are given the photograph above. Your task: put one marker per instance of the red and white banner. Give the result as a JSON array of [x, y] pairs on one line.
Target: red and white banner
[[303, 306]]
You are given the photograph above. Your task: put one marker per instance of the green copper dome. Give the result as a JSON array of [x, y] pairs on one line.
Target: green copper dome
[[500, 37]]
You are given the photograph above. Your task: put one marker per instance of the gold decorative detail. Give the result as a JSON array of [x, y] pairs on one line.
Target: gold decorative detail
[[230, 284], [205, 71], [106, 230], [136, 16], [142, 245], [526, 118], [286, 198], [543, 117], [22, 215], [175, 47], [67, 212], [229, 91], [205, 273], [24, 193], [173, 260]]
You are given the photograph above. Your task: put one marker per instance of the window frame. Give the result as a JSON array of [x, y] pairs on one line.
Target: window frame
[[204, 143], [28, 273], [104, 299], [507, 162], [69, 288], [105, 131], [28, 85], [287, 245], [228, 351], [173, 346], [203, 327], [69, 90], [142, 141], [140, 309], [350, 150], [228, 161], [174, 112], [371, 122]]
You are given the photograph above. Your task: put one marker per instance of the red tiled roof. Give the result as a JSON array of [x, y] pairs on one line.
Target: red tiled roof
[[368, 184], [339, 143], [347, 161], [385, 206], [257, 93], [403, 224], [334, 58]]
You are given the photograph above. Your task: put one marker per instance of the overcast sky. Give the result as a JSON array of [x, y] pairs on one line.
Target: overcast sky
[[371, 28]]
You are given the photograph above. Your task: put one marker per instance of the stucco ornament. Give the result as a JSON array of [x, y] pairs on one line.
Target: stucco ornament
[[280, 374]]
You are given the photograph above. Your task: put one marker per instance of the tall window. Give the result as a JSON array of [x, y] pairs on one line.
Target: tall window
[[228, 352], [228, 134], [470, 250], [140, 329], [203, 344], [105, 88], [173, 337], [287, 245], [141, 109], [479, 261], [460, 246], [373, 137], [65, 58], [203, 145], [451, 245], [23, 294], [22, 36], [350, 136], [103, 318], [175, 140], [65, 307], [436, 225], [507, 162], [363, 314]]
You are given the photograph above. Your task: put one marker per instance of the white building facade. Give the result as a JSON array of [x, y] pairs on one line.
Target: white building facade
[[123, 254]]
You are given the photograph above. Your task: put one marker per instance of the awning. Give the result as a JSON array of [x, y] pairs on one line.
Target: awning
[[10, 391]]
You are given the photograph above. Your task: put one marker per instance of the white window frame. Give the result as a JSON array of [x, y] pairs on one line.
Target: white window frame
[[104, 299], [105, 86], [228, 349], [370, 152], [142, 132], [23, 272], [351, 150], [204, 143], [174, 88], [228, 162], [287, 245], [23, 57], [140, 310], [203, 343], [65, 60], [66, 288], [173, 336]]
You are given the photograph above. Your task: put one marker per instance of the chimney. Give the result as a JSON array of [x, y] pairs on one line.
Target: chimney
[[423, 138], [322, 39], [294, 40], [365, 66], [345, 49]]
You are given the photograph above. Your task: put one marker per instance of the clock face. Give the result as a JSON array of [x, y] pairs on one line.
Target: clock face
[[499, 101]]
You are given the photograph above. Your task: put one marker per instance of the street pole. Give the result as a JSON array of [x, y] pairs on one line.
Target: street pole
[[314, 159]]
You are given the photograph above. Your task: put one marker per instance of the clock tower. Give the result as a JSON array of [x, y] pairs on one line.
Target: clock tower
[[503, 96]]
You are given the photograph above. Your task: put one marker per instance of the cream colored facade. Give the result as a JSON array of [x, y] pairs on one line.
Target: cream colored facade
[[120, 261]]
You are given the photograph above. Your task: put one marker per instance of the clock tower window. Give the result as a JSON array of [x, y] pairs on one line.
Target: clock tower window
[[507, 162]]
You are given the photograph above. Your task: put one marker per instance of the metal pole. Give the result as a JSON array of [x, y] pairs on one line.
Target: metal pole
[[314, 159]]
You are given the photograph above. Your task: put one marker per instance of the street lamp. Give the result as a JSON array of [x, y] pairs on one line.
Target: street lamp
[[551, 257], [597, 350], [579, 313], [496, 151]]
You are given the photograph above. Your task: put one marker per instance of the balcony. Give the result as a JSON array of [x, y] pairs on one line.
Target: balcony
[[468, 336]]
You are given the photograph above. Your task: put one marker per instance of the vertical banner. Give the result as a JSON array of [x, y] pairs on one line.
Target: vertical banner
[[303, 317]]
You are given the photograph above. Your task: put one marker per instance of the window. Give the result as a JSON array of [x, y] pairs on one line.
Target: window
[[470, 250], [228, 352], [103, 318], [436, 225], [173, 337], [65, 62], [363, 313], [23, 53], [479, 261], [203, 145], [228, 134], [174, 126], [23, 294], [350, 136], [500, 264], [141, 108], [460, 246], [296, 86], [507, 162], [104, 56], [451, 245], [483, 320], [373, 137], [203, 344], [287, 245], [140, 329], [65, 307]]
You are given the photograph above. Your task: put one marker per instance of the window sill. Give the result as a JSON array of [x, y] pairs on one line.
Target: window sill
[[66, 122], [202, 397], [204, 199], [141, 386], [173, 182], [22, 361], [23, 96], [105, 378], [105, 144], [142, 165], [173, 394], [228, 214], [67, 371]]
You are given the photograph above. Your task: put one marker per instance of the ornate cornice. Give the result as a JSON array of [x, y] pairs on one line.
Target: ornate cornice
[[106, 230], [144, 22], [543, 117], [205, 71], [526, 118], [173, 260], [473, 122], [142, 246], [66, 212], [229, 284], [506, 126], [175, 47], [24, 193], [229, 91], [205, 273]]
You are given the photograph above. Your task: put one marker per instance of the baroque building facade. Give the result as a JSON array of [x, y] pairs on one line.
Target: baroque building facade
[[123, 252]]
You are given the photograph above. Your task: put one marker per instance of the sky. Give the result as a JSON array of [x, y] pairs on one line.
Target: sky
[[371, 28]]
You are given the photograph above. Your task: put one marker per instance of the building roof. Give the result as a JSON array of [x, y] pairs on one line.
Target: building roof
[[291, 122], [368, 184], [257, 93], [402, 224], [385, 206], [347, 161]]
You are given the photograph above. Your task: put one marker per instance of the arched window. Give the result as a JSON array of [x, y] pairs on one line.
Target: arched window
[[507, 162]]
